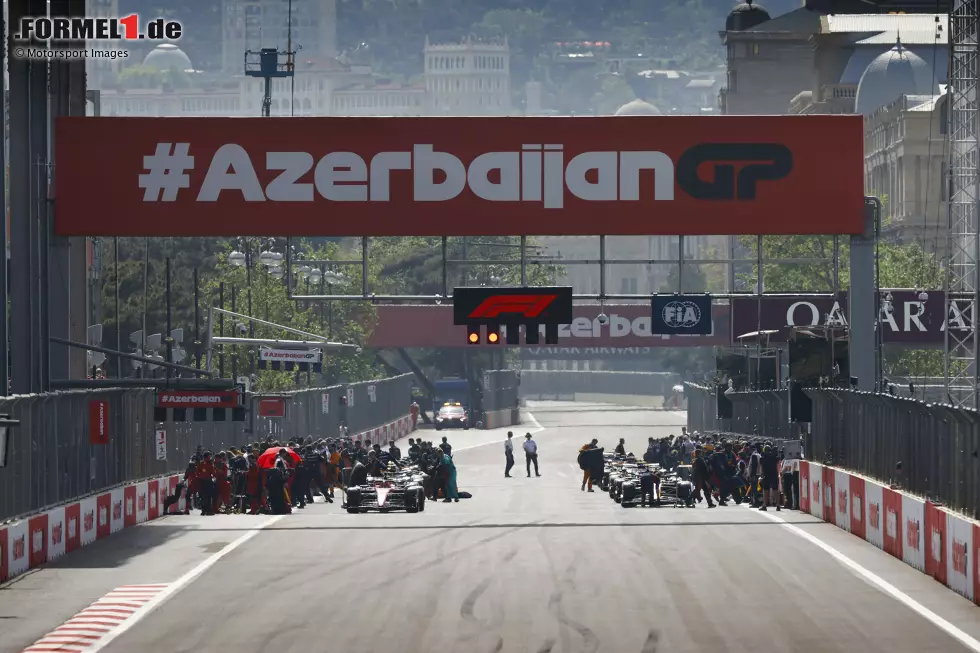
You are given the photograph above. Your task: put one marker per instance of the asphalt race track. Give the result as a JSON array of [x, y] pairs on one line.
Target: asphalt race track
[[527, 565]]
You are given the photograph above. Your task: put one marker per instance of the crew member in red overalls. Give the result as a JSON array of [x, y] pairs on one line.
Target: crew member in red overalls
[[222, 498], [253, 487], [414, 409], [205, 483]]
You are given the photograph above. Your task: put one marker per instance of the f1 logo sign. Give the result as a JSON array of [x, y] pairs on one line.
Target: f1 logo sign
[[770, 162], [527, 306]]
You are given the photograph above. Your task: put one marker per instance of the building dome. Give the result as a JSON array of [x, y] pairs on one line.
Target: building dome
[[637, 108], [167, 56], [746, 15], [889, 76]]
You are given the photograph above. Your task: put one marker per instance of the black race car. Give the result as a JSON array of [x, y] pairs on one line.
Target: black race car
[[384, 495]]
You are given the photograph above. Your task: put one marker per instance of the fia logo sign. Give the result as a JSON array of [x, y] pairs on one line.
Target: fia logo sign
[[816, 489], [959, 557], [828, 495], [56, 533], [37, 541], [72, 528], [88, 521], [117, 510], [19, 548], [874, 515], [856, 506], [129, 507], [891, 527], [912, 534], [103, 516], [937, 545], [842, 501]]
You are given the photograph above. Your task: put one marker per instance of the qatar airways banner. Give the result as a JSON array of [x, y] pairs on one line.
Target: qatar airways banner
[[910, 321], [625, 326]]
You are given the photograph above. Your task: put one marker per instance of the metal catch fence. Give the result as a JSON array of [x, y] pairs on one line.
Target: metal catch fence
[[53, 457], [932, 450]]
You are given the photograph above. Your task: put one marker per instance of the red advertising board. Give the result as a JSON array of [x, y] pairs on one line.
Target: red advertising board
[[98, 422], [693, 175], [628, 325], [198, 399], [272, 407]]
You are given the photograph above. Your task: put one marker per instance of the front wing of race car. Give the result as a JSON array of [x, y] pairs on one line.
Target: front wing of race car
[[367, 498]]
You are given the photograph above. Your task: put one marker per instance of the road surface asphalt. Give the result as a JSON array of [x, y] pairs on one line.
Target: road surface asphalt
[[527, 565]]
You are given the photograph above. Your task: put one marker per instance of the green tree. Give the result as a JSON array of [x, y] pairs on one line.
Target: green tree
[[142, 264], [899, 266]]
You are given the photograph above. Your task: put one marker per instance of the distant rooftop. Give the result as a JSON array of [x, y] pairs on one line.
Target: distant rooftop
[[877, 23], [930, 37]]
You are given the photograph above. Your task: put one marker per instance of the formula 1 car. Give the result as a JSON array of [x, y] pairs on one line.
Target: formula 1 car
[[386, 495], [676, 488]]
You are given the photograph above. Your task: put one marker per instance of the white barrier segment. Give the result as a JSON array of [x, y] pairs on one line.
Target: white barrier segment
[[57, 533], [842, 504], [959, 544], [816, 490], [913, 531], [88, 513], [874, 514], [173, 482], [142, 502], [18, 549], [116, 510]]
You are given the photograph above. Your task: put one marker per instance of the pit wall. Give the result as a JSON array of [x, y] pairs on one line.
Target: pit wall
[[35, 540], [937, 542]]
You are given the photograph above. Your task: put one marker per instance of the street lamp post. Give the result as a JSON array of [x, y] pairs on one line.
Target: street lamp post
[[242, 257]]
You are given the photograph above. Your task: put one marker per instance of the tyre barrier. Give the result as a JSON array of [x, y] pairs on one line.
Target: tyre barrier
[[928, 537], [34, 540]]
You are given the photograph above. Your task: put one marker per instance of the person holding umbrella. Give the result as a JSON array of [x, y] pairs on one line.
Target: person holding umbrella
[[278, 462]]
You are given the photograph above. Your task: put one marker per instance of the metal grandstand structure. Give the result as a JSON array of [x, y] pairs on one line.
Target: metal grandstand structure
[[963, 243]]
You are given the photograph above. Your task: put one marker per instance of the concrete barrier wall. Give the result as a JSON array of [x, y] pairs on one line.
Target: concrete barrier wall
[[937, 542], [645, 401], [30, 542], [495, 419]]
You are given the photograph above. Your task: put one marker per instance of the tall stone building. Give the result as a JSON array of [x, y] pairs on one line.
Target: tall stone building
[[771, 60], [469, 78]]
